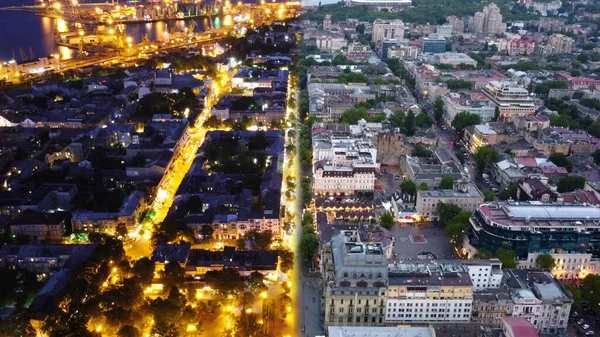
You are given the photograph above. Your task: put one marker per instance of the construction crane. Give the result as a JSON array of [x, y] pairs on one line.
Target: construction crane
[[192, 26], [31, 53], [23, 55]]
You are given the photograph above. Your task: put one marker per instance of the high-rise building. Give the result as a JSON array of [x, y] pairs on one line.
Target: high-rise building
[[561, 44], [387, 29], [327, 22], [458, 25], [489, 20]]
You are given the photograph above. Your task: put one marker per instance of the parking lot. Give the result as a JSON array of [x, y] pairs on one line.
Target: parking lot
[[413, 240]]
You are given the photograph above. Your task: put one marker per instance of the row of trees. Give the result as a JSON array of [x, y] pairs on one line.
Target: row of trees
[[309, 241]]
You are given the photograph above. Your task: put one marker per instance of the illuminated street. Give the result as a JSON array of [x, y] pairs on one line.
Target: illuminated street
[[182, 160]]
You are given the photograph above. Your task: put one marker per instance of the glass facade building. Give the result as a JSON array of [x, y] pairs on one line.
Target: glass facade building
[[536, 227]]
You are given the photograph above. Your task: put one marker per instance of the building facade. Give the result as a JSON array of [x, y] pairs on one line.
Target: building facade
[[387, 29], [512, 100], [433, 44], [354, 283], [535, 227], [464, 194]]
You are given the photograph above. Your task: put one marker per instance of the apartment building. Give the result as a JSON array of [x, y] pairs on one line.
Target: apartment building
[[354, 283], [471, 101], [512, 100], [561, 44], [516, 46], [40, 227], [387, 29], [489, 20], [429, 293], [464, 194], [343, 165]]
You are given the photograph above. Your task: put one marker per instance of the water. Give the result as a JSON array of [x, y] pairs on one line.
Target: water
[[20, 29]]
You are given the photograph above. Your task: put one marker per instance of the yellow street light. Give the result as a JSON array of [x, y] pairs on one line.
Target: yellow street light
[[191, 327], [57, 5], [111, 31], [129, 39], [263, 294]]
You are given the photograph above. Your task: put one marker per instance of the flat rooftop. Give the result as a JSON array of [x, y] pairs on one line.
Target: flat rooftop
[[538, 214], [379, 331]]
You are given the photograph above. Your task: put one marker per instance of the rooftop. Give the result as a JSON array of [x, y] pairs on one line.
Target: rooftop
[[537, 214], [370, 331]]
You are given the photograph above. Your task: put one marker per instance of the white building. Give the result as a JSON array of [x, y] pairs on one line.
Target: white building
[[512, 99], [331, 42], [444, 30], [472, 102], [464, 194], [387, 29], [569, 266], [455, 59], [343, 165]]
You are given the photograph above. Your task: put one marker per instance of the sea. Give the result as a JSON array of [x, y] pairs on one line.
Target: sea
[[23, 30]]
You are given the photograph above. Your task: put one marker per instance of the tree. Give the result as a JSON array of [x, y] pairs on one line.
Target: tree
[[570, 183], [421, 151], [507, 257], [590, 285], [206, 231], [194, 204], [360, 29], [353, 115], [464, 119], [423, 186], [387, 220], [447, 183], [594, 129], [438, 109], [496, 113], [173, 275], [484, 157], [143, 269], [559, 159], [260, 240], [121, 230], [576, 294], [409, 126], [226, 280], [457, 225], [247, 325], [286, 259], [308, 243], [409, 186], [423, 120], [447, 211], [510, 192], [129, 331], [397, 119], [460, 84], [545, 261]]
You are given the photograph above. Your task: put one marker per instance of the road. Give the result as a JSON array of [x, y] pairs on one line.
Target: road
[[177, 169]]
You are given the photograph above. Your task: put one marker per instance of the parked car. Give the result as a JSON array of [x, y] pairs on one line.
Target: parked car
[[589, 333], [579, 322], [586, 326]]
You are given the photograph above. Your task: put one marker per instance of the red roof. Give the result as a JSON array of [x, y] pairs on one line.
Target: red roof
[[520, 327], [486, 212], [526, 161]]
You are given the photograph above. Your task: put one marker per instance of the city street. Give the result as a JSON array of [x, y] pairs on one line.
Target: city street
[[176, 171]]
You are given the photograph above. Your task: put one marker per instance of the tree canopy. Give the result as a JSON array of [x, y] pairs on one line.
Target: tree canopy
[[485, 157], [464, 119], [561, 160], [545, 261], [386, 220]]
